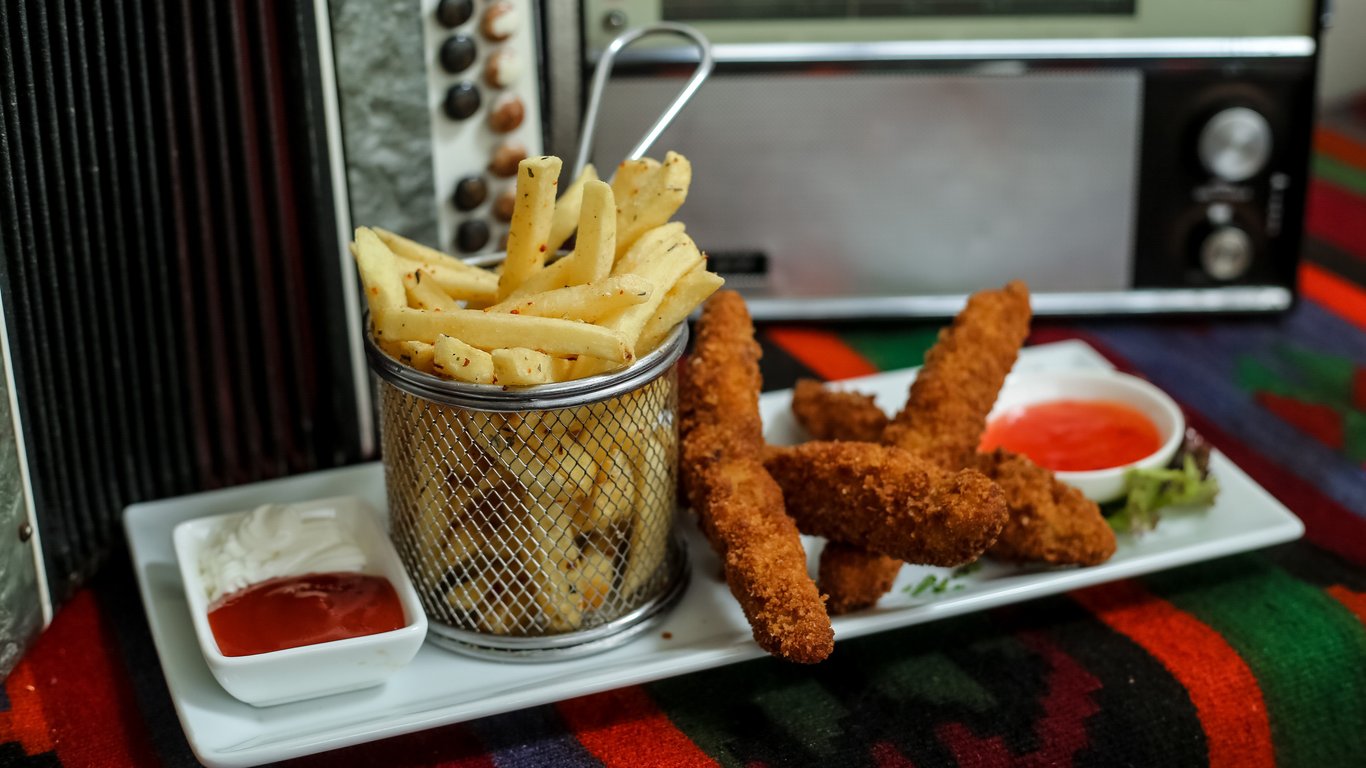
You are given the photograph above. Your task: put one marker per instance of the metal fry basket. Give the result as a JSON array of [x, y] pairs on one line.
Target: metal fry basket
[[537, 523]]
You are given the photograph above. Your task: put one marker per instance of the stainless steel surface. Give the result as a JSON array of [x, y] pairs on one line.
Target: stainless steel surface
[[1288, 46], [892, 184], [1235, 144], [1134, 302], [603, 72], [535, 522], [1226, 253]]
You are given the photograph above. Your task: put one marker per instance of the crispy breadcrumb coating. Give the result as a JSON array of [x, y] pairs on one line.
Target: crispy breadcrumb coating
[[946, 412], [831, 414], [854, 578], [888, 501], [739, 506], [1049, 521]]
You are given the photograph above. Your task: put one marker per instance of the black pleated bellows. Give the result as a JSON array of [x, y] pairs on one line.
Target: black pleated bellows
[[169, 261]]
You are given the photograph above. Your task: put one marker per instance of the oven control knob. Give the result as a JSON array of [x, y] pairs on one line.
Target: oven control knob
[[462, 100], [506, 113], [1226, 253], [1235, 144], [472, 235], [504, 204]]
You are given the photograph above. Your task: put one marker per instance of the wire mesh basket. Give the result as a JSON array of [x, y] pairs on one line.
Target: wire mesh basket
[[536, 522]]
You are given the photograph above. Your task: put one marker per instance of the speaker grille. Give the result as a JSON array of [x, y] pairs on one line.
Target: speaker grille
[[170, 276]]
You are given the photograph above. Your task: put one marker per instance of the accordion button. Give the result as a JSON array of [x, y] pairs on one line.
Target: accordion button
[[457, 53], [472, 235], [453, 13], [470, 192], [462, 100]]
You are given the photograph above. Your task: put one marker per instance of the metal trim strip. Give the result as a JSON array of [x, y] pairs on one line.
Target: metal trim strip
[[1138, 302], [1287, 46]]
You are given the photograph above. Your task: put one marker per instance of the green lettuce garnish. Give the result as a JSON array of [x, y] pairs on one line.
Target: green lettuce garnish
[[1185, 482]]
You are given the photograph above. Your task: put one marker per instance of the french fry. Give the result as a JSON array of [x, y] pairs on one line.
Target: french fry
[[410, 250], [520, 367], [567, 217], [594, 251], [690, 291], [648, 196], [379, 273], [596, 244], [529, 231], [479, 287], [662, 237], [588, 302], [415, 353], [496, 330], [426, 295], [454, 358], [549, 567], [661, 261]]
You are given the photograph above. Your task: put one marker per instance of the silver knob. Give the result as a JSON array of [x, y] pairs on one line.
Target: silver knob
[[1235, 144], [1226, 253]]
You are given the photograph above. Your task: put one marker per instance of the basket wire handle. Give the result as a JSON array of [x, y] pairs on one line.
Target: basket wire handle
[[604, 71]]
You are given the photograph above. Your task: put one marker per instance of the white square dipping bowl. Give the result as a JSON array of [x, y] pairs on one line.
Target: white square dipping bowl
[[321, 669]]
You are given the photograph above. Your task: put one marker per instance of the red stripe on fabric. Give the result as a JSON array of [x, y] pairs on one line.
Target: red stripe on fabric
[[1328, 524], [1340, 146], [1223, 689], [625, 728], [1061, 730], [1319, 421], [1354, 601], [822, 351], [1337, 295], [86, 695], [25, 722], [1337, 216], [887, 756]]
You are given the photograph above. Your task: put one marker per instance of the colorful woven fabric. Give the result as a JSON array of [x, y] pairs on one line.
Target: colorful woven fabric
[[1254, 660]]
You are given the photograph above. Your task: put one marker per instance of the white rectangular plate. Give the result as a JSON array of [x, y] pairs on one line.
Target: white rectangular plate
[[705, 630]]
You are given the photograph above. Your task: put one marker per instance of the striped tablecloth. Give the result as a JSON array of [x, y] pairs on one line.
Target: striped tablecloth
[[1252, 660]]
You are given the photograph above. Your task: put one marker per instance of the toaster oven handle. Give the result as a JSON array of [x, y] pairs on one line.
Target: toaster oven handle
[[604, 70]]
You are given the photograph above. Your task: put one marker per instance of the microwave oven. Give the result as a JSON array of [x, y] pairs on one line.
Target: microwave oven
[[885, 157]]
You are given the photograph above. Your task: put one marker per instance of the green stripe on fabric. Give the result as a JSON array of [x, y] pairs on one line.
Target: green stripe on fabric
[[892, 349], [806, 713], [1341, 174], [939, 679], [1303, 646]]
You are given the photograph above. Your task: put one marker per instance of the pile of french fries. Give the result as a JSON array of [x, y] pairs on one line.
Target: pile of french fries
[[631, 277], [539, 521]]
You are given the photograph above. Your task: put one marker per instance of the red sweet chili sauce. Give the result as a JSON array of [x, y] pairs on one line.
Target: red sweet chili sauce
[[1075, 435], [301, 610]]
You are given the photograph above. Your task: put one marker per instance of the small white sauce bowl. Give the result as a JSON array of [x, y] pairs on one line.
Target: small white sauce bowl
[[321, 669], [1100, 485]]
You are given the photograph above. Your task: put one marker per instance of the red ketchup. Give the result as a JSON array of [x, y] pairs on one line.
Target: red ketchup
[[301, 610], [1075, 435]]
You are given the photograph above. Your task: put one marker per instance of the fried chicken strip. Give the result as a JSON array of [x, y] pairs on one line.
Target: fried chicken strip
[[888, 501], [1049, 521], [942, 420], [832, 414], [739, 506], [946, 412]]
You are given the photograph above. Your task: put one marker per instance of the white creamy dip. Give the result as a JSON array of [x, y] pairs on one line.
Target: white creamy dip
[[271, 541]]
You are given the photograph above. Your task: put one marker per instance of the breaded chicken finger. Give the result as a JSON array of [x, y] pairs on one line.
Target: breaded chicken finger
[[739, 506], [888, 501], [942, 420], [946, 412], [832, 414], [1049, 520]]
